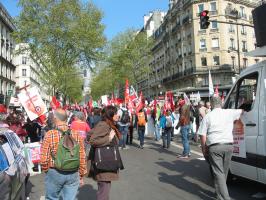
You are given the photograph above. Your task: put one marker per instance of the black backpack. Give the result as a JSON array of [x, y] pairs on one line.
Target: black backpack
[[125, 117]]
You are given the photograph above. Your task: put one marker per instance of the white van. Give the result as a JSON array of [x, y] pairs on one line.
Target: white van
[[249, 93]]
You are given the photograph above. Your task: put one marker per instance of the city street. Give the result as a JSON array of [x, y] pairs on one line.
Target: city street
[[155, 173]]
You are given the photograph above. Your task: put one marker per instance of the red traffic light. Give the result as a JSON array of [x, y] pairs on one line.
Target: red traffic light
[[204, 13]]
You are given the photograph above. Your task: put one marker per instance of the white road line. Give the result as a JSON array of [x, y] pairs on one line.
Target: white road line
[[172, 144], [192, 151]]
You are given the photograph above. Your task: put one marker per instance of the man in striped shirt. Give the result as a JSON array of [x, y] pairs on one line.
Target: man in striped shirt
[[61, 182]]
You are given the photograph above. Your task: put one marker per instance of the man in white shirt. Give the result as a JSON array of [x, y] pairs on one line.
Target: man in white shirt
[[217, 143]]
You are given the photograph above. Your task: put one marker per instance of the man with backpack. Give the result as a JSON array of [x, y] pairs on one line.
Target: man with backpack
[[63, 160], [123, 124], [141, 123]]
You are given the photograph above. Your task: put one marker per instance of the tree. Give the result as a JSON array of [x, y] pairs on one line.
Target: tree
[[63, 35], [127, 57]]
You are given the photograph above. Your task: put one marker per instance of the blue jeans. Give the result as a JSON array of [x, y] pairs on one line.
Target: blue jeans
[[166, 136], [157, 132], [124, 132], [64, 184], [141, 132], [185, 139]]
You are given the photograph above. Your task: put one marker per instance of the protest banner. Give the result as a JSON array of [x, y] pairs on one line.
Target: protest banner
[[32, 102], [239, 139]]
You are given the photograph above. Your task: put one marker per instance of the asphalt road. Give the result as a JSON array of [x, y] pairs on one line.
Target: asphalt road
[[154, 173]]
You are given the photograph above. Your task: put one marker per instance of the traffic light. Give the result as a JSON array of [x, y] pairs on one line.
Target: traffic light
[[204, 19]]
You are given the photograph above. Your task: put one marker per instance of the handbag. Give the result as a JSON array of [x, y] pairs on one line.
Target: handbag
[[107, 159]]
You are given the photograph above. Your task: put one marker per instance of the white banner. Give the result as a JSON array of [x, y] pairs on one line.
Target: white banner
[[32, 102]]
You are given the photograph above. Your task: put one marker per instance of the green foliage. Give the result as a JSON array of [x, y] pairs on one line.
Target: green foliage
[[62, 35], [128, 55]]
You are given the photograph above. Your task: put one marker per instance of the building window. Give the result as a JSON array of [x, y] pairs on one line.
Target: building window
[[245, 62], [233, 62], [231, 28], [242, 11], [24, 72], [243, 30], [214, 24], [85, 73], [202, 44], [201, 7], [213, 6], [257, 60], [203, 61], [244, 46], [24, 60], [216, 60], [232, 43], [215, 43]]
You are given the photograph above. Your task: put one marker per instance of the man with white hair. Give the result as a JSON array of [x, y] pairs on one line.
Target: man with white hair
[[217, 143]]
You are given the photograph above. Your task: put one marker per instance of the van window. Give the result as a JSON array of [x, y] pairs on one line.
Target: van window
[[247, 92], [232, 99], [244, 94]]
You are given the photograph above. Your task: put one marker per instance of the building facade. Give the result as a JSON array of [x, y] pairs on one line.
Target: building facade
[[152, 22], [30, 73], [184, 53], [7, 67]]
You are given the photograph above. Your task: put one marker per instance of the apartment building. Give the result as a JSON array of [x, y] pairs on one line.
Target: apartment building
[[152, 22], [7, 67], [30, 72], [183, 54]]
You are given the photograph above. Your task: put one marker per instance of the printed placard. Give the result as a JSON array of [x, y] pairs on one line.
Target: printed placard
[[239, 139], [32, 102]]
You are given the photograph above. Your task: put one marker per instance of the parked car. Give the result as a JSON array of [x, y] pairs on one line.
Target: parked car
[[14, 173]]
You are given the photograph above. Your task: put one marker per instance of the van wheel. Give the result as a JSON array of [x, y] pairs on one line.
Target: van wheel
[[23, 192]]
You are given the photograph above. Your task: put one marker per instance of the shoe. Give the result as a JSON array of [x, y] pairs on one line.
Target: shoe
[[182, 156], [126, 147]]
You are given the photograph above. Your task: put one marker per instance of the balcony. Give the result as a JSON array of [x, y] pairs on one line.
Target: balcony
[[186, 20], [243, 16], [188, 71], [232, 48], [214, 30], [215, 48], [243, 32], [244, 50], [203, 49], [167, 79], [203, 31], [231, 30], [214, 12]]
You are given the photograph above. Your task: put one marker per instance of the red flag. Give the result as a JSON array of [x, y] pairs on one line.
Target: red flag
[[132, 94], [140, 103], [216, 93], [126, 92], [55, 103], [155, 107], [169, 101]]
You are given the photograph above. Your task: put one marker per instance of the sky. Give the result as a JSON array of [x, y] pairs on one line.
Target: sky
[[118, 14]]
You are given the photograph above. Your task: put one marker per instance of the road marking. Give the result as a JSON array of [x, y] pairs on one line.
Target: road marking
[[172, 144], [202, 158]]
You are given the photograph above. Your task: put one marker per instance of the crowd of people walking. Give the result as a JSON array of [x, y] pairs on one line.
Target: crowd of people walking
[[76, 143]]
